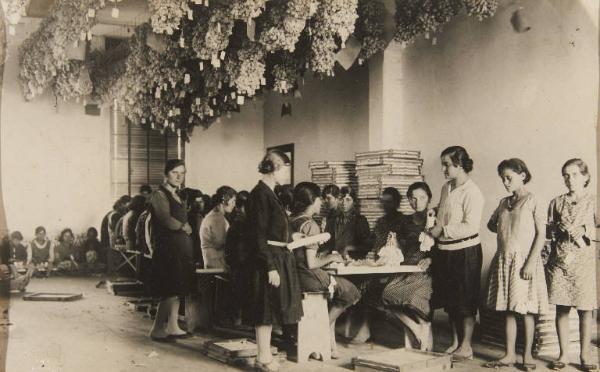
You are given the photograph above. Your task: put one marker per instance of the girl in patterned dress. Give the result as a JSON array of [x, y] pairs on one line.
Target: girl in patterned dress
[[571, 267], [343, 294], [517, 284]]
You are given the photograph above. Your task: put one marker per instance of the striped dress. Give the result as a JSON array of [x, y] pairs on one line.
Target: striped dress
[[515, 228], [410, 291]]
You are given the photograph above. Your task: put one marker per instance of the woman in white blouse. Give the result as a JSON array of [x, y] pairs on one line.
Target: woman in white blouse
[[459, 255], [213, 229]]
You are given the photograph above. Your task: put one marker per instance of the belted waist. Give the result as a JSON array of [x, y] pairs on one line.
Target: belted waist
[[456, 244]]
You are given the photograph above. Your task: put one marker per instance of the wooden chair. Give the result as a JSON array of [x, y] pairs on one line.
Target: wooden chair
[[313, 328]]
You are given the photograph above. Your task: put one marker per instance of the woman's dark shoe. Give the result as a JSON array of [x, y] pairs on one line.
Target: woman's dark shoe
[[168, 339], [528, 367], [588, 367], [557, 365], [497, 364]]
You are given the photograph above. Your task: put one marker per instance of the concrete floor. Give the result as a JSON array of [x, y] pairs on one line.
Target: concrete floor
[[100, 333]]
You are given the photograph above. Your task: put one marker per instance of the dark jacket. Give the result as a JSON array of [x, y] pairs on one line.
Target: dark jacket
[[355, 232], [268, 221]]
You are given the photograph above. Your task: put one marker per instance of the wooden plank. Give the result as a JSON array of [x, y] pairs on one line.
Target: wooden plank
[[365, 270], [44, 296]]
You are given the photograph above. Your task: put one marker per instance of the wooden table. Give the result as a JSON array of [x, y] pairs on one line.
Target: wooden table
[[373, 270]]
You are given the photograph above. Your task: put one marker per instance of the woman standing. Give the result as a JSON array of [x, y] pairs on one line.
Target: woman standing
[[213, 230], [172, 259], [459, 248], [349, 230], [307, 203], [276, 289], [571, 268], [517, 285]]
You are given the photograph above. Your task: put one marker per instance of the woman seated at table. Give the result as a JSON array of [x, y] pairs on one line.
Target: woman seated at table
[[350, 233], [213, 230], [407, 296], [307, 203]]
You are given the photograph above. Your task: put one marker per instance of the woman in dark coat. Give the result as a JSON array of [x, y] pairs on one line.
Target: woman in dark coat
[[276, 289], [172, 260], [350, 233]]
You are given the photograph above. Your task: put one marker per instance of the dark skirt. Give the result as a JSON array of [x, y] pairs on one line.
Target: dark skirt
[[281, 305], [173, 269], [457, 280]]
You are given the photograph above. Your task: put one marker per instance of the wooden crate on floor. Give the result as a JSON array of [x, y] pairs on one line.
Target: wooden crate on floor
[[125, 287], [239, 352], [403, 360]]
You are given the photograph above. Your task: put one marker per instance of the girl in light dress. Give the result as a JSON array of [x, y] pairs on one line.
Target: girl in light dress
[[571, 267], [517, 284]]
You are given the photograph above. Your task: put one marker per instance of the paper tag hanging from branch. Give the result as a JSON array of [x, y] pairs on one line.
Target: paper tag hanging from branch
[[346, 57], [251, 29]]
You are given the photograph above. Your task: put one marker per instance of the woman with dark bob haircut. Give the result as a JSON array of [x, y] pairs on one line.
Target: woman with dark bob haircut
[[172, 260], [276, 290], [459, 248], [307, 203], [350, 233]]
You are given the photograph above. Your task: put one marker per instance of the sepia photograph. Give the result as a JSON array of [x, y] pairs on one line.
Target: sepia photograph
[[299, 185]]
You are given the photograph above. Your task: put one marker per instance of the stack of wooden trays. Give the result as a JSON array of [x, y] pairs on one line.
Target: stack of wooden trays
[[403, 360], [545, 341], [546, 337], [340, 173], [377, 170]]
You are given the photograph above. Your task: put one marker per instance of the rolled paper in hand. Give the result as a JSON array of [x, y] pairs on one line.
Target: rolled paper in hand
[[303, 242]]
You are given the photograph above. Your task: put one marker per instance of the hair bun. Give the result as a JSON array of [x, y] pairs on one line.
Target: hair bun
[[468, 165], [266, 166]]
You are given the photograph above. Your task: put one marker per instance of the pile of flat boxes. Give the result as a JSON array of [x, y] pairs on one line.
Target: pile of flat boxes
[[377, 170], [340, 173]]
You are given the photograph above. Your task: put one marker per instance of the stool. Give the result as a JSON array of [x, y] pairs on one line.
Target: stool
[[313, 328]]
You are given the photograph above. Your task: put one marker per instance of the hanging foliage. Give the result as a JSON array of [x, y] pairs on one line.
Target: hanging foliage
[[370, 27], [44, 55], [284, 22], [72, 81], [210, 59], [167, 14], [334, 19]]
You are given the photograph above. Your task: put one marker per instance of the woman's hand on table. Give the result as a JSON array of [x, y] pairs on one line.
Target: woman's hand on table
[[335, 257], [424, 263], [274, 279]]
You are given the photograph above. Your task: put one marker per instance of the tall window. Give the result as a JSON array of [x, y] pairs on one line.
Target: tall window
[[139, 155]]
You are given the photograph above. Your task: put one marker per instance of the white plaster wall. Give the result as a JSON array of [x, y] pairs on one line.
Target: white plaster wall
[[329, 122], [500, 94], [55, 160], [228, 152]]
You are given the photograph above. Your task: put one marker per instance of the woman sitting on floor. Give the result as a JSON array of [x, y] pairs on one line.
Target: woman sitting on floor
[[8, 269], [343, 294], [64, 258], [407, 296], [42, 252], [90, 253]]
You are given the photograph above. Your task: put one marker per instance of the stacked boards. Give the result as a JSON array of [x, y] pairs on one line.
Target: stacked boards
[[545, 341], [340, 173], [377, 170]]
